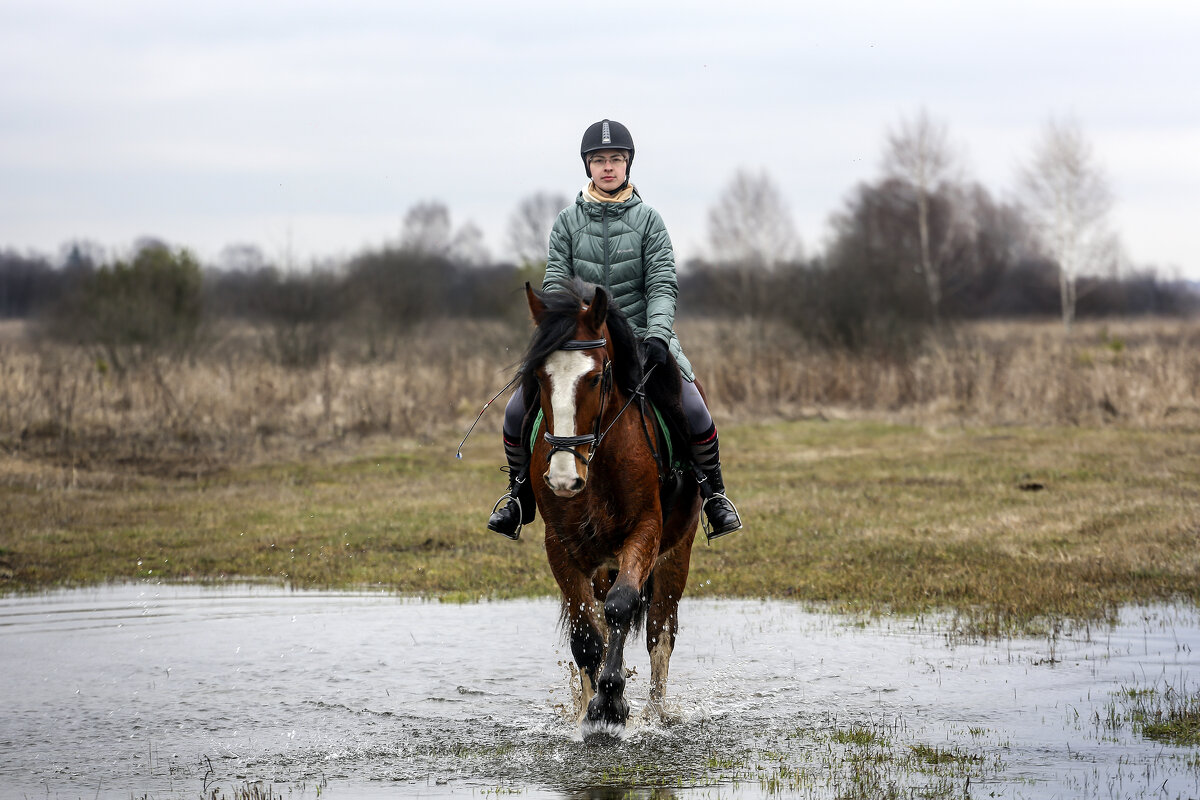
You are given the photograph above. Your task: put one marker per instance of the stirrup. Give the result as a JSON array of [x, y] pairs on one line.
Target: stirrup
[[515, 535], [708, 531]]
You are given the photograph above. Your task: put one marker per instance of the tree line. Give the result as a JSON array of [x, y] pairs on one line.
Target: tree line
[[922, 246], [916, 249]]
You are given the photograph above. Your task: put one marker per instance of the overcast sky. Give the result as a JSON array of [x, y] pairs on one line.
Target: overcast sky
[[309, 128]]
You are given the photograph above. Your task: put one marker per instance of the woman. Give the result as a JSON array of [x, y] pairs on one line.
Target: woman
[[610, 238]]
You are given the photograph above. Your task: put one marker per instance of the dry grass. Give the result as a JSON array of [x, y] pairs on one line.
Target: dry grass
[[234, 406], [1010, 526], [1135, 372]]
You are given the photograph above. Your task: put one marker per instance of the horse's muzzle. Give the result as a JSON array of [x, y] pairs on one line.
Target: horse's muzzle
[[565, 486], [564, 461]]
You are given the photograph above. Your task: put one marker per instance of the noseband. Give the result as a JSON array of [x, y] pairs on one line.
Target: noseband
[[567, 444]]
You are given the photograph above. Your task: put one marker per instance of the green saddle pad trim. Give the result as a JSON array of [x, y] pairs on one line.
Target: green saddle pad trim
[[537, 425], [662, 426]]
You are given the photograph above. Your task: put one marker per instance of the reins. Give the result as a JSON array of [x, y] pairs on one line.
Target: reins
[[636, 393]]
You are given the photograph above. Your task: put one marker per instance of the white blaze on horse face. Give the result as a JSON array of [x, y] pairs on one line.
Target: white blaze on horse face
[[564, 368]]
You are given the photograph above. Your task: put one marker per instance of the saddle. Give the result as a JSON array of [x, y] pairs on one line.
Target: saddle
[[664, 393]]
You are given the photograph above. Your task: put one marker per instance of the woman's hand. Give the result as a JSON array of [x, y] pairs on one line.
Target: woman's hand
[[657, 353]]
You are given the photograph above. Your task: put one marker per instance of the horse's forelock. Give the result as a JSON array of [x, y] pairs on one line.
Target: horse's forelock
[[555, 326]]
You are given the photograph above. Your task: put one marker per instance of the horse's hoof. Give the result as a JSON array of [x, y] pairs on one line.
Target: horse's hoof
[[608, 709], [598, 733]]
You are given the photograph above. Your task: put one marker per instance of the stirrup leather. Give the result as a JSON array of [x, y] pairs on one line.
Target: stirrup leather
[[708, 530]]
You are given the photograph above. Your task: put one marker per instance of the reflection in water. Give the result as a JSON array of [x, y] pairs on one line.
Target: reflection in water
[[177, 691]]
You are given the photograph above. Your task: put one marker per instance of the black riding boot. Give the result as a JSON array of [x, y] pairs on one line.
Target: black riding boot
[[721, 517], [519, 509]]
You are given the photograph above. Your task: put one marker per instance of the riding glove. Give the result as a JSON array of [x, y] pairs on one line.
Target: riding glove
[[656, 352]]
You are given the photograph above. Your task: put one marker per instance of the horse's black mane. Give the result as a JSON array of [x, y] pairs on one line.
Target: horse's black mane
[[557, 326]]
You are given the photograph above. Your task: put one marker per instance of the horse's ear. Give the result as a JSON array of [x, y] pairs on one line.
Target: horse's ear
[[598, 310], [536, 307]]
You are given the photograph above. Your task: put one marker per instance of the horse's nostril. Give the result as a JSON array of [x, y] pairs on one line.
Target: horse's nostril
[[577, 485]]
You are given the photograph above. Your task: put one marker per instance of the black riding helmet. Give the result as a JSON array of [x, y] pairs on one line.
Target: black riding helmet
[[606, 135]]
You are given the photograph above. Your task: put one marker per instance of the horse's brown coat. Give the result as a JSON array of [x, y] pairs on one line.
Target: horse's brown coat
[[604, 543]]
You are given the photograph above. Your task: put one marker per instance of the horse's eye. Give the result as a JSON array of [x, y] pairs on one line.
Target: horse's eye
[[595, 381]]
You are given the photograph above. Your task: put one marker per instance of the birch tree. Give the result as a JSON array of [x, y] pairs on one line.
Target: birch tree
[[918, 153], [1067, 198], [751, 233], [750, 226]]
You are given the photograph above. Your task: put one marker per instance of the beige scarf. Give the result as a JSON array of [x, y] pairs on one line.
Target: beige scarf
[[590, 192]]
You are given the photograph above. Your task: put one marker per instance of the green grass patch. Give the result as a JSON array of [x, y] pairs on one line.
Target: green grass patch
[[937, 756], [1163, 713], [856, 736]]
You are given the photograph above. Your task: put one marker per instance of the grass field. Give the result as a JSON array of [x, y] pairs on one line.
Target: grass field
[[1010, 528], [1010, 473]]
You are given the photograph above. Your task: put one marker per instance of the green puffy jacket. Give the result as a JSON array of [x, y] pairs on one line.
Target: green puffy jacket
[[625, 248]]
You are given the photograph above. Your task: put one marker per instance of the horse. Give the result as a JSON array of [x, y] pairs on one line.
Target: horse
[[620, 563]]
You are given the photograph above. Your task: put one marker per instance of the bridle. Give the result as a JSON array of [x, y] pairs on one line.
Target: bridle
[[568, 444]]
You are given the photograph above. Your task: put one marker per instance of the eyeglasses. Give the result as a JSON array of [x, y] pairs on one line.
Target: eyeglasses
[[616, 161]]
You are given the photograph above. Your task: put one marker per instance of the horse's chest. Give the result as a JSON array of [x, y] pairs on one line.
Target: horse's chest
[[596, 525], [594, 534], [603, 528]]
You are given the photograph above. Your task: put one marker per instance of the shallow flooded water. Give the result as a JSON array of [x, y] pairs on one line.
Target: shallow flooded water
[[172, 691]]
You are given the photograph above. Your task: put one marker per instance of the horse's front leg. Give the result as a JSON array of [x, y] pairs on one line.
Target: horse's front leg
[[609, 709], [583, 617]]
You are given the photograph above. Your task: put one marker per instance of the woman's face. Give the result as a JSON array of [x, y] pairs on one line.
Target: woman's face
[[609, 168]]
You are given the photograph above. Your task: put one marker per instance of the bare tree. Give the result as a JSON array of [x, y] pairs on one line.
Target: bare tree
[[529, 227], [467, 247], [917, 153], [241, 257], [751, 233], [427, 229], [428, 232], [1068, 199], [750, 225]]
